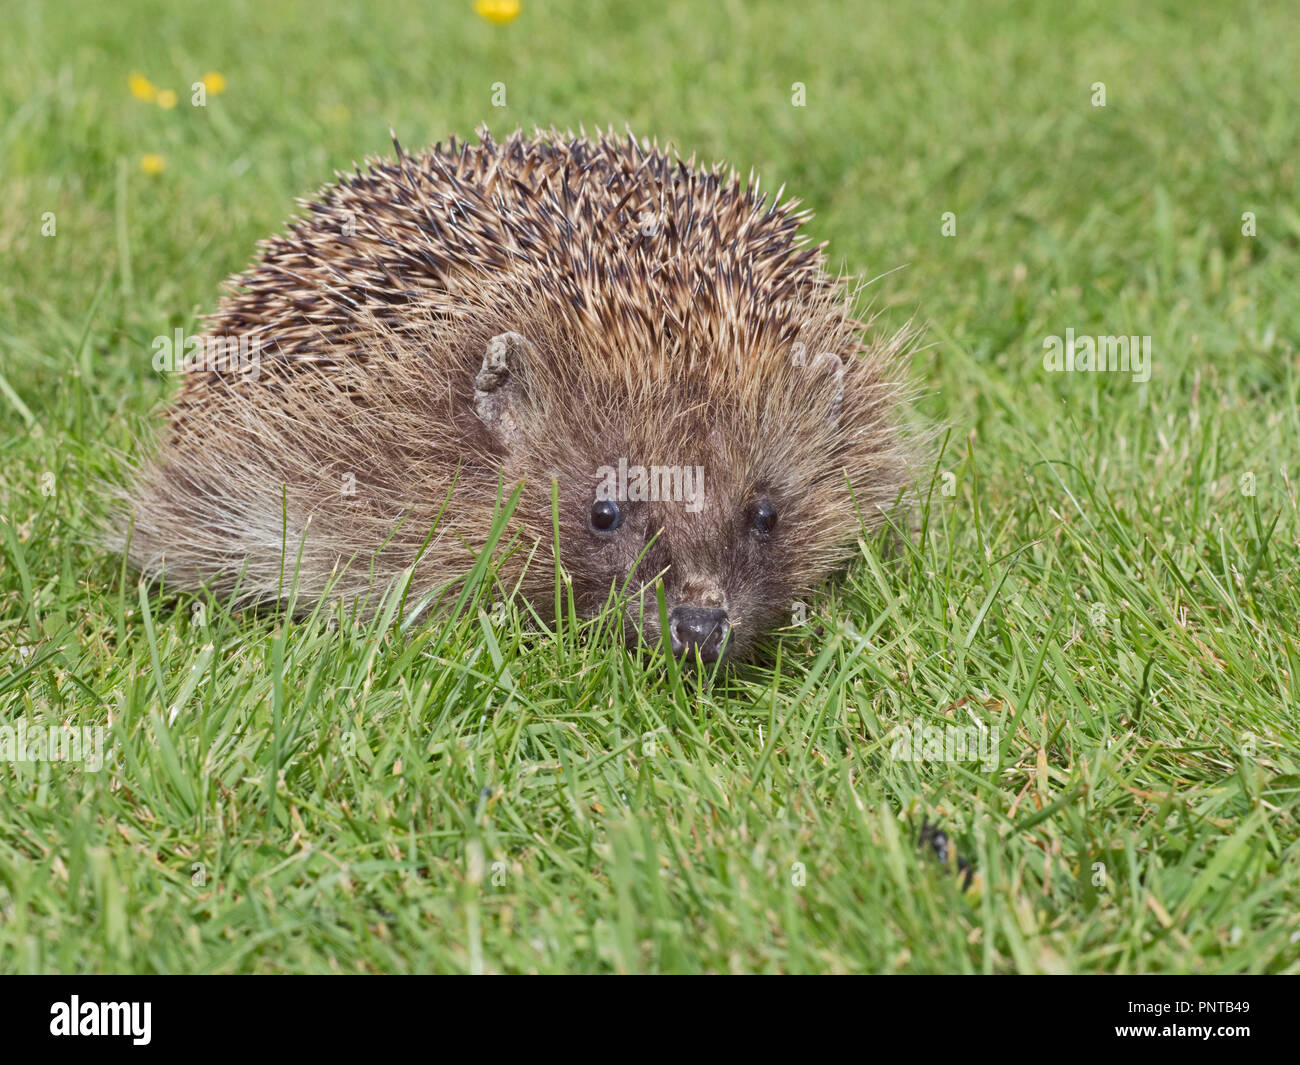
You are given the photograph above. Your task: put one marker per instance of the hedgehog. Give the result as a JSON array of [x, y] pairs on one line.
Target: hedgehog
[[615, 350]]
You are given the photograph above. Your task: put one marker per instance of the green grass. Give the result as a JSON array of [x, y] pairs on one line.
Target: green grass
[[509, 794]]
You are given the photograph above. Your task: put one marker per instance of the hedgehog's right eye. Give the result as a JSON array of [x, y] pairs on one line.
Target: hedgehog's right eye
[[762, 518], [605, 515]]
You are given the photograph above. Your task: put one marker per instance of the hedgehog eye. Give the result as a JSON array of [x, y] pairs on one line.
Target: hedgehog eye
[[762, 517], [605, 515]]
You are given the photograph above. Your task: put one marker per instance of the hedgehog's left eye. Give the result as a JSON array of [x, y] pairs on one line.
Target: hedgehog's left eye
[[762, 517], [605, 515]]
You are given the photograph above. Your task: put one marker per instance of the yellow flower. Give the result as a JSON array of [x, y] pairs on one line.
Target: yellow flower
[[498, 11], [141, 87], [214, 82], [167, 99], [153, 163]]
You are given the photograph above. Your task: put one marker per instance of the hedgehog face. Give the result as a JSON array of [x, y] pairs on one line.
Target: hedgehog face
[[735, 501], [706, 503], [720, 552], [725, 572], [719, 555]]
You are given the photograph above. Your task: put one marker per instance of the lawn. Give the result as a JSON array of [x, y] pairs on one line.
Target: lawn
[[1103, 574]]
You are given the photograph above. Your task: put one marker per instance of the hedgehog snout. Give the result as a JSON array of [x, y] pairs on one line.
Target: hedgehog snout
[[698, 628]]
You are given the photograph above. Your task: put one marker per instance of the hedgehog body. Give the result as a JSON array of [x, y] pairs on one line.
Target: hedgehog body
[[657, 340]]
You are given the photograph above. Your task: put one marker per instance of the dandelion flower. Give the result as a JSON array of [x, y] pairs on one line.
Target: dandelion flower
[[498, 11], [141, 87], [167, 99], [215, 83], [153, 163]]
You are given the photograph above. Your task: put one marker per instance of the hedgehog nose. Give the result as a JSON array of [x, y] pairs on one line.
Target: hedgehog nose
[[701, 628]]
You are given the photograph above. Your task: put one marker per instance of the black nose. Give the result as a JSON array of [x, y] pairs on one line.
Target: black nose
[[701, 628]]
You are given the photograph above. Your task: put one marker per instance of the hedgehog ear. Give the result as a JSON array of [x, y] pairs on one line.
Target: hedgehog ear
[[828, 369], [499, 386]]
